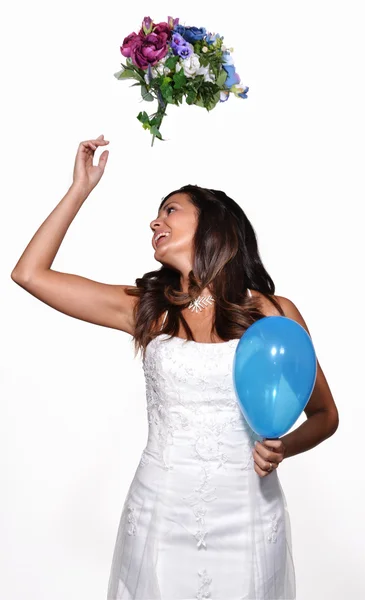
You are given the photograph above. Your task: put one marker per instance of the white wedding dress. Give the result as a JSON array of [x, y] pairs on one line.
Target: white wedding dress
[[198, 521]]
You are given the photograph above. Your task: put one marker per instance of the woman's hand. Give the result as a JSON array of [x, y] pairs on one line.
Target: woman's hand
[[266, 452], [86, 175]]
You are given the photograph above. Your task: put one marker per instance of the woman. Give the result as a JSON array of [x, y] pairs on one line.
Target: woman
[[205, 515]]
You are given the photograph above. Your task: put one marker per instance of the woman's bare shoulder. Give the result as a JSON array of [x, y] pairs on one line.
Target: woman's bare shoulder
[[268, 307]]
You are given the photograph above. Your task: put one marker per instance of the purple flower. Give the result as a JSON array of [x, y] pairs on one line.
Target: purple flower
[[172, 22], [147, 50], [180, 46], [127, 43], [147, 25], [162, 28]]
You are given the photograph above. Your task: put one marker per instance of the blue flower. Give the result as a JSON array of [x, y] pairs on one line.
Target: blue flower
[[239, 91], [227, 58], [180, 46], [232, 76], [210, 39], [244, 93], [191, 34]]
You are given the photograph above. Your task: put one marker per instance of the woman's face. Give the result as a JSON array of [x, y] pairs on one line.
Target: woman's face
[[178, 217]]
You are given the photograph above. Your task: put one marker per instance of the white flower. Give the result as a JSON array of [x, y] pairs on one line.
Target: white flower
[[160, 68], [190, 65], [204, 49], [208, 75]]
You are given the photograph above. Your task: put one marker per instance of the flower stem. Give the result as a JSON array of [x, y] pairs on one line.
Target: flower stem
[[159, 115]]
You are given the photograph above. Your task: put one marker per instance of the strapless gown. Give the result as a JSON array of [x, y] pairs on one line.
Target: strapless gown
[[198, 522]]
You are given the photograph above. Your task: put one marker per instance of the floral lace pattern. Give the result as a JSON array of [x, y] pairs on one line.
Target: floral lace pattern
[[203, 591], [131, 520], [203, 493], [272, 537]]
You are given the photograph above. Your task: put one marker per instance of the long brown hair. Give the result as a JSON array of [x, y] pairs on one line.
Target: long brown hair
[[226, 259]]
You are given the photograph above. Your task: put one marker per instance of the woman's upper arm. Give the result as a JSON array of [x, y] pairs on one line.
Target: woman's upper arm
[[99, 303], [321, 398]]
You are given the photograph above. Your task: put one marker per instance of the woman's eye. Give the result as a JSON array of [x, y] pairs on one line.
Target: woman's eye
[[169, 208]]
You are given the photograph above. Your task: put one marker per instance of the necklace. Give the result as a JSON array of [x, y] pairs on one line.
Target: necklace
[[200, 303]]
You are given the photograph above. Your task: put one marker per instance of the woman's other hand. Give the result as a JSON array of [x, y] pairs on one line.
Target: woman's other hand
[[266, 452]]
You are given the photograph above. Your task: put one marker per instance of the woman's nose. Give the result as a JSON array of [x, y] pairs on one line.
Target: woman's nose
[[154, 223]]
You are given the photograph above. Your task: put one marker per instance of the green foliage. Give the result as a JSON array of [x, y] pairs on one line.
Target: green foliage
[[155, 132], [166, 89], [208, 95], [153, 122], [171, 62], [126, 74], [179, 80], [222, 78], [191, 96], [146, 95], [130, 72]]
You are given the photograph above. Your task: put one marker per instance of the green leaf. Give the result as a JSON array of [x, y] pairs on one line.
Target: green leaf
[[179, 79], [143, 117], [156, 132], [198, 47], [170, 63], [126, 74], [222, 77], [191, 97], [214, 101], [204, 60], [146, 95], [166, 91]]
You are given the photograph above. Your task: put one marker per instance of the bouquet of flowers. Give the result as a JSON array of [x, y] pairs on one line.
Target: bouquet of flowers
[[172, 61]]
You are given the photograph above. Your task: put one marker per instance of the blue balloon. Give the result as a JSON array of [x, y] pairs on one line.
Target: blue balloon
[[274, 373]]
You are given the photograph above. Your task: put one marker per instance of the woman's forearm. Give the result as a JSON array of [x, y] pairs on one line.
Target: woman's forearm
[[318, 427], [44, 245]]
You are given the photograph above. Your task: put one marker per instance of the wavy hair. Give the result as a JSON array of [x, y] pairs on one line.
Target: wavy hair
[[226, 261]]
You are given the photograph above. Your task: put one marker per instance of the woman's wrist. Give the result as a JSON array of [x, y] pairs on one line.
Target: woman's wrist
[[79, 190]]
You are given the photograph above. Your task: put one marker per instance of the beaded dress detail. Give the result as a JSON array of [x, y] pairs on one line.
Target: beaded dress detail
[[198, 522]]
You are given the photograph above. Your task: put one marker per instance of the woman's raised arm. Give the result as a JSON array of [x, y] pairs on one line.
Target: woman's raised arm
[[79, 297]]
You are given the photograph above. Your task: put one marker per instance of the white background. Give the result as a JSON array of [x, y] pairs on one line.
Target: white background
[[73, 421]]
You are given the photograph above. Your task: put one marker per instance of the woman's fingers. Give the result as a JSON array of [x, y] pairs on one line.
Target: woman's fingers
[[261, 472], [103, 158], [85, 171], [270, 450], [260, 461], [94, 143]]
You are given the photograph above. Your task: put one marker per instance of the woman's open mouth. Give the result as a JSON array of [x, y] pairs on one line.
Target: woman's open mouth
[[162, 239]]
